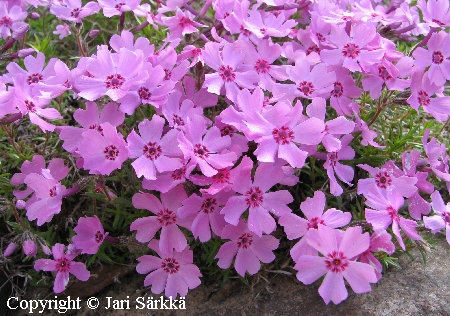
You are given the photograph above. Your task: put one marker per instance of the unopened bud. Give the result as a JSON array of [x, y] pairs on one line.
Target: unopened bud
[[20, 32], [10, 249], [20, 204], [29, 248], [93, 34], [25, 52], [34, 15]]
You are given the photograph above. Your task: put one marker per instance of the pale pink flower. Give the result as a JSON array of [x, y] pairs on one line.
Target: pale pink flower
[[442, 218], [89, 235]]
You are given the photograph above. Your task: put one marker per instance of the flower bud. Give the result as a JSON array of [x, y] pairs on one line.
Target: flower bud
[[20, 204], [35, 16], [10, 249], [93, 34], [20, 32], [26, 52], [29, 248]]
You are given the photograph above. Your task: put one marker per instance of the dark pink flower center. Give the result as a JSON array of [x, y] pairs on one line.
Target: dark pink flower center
[[338, 90], [168, 74], [97, 127], [119, 6], [283, 135], [111, 152], [254, 197], [336, 262], [262, 66], [67, 84], [446, 217], [179, 173], [52, 192], [244, 31], [383, 179], [393, 213], [351, 50], [437, 58], [98, 237], [245, 241], [152, 151], [320, 37], [226, 73], [177, 120], [201, 151], [114, 81], [6, 21], [313, 48], [185, 21], [222, 176], [34, 78], [30, 106], [170, 265], [314, 222], [227, 130], [63, 264], [209, 205], [333, 157], [438, 22], [306, 87], [166, 217], [423, 98], [75, 13], [144, 93], [383, 73]]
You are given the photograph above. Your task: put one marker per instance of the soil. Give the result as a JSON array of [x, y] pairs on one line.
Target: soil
[[416, 289]]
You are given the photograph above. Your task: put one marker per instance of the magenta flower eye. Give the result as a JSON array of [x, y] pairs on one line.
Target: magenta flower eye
[[170, 265], [336, 262], [283, 135], [437, 58], [111, 152], [114, 81], [245, 241], [305, 87], [351, 50], [383, 179], [6, 21], [34, 78], [338, 90], [227, 73]]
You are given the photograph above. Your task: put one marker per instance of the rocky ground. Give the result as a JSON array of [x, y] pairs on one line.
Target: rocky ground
[[416, 289]]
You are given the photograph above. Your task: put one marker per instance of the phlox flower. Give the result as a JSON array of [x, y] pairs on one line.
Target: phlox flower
[[422, 92], [47, 199], [62, 30], [338, 249], [435, 12], [117, 7], [416, 204], [34, 72], [298, 227], [442, 218], [126, 40], [386, 205], [111, 74], [64, 265], [201, 98], [248, 248], [89, 235], [7, 105], [263, 24], [180, 24], [206, 209], [102, 151], [73, 10], [205, 148], [167, 59], [437, 57], [168, 180], [91, 118], [343, 91], [153, 151], [254, 196], [173, 272], [167, 219], [351, 51], [10, 19], [228, 73], [177, 111], [437, 157], [380, 241]]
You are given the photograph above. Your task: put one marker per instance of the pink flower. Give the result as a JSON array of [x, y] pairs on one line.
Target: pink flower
[[117, 7], [11, 20], [64, 265], [338, 251], [167, 219], [181, 24], [313, 209], [73, 11], [205, 148], [248, 248], [386, 205], [29, 248], [89, 235], [255, 197], [435, 12], [442, 218], [174, 273], [436, 57], [380, 241], [102, 152], [62, 30], [152, 150]]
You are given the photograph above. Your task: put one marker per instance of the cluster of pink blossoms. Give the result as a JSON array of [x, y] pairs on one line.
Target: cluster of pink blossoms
[[288, 76]]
